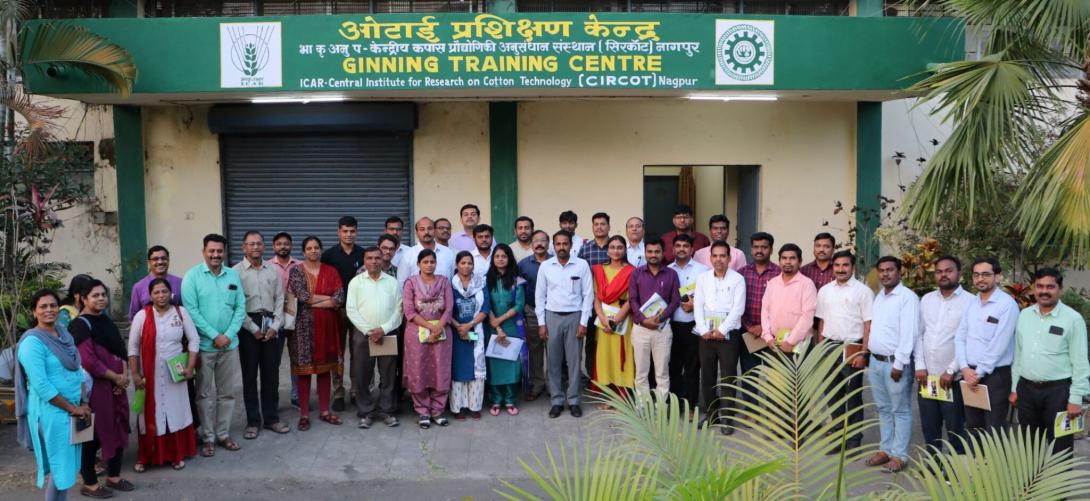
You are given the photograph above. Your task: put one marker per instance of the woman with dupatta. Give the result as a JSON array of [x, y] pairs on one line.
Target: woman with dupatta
[[428, 305], [505, 321], [467, 365], [314, 347], [614, 364], [162, 332]]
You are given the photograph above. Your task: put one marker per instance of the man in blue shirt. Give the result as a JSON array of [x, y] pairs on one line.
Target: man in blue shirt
[[213, 296], [984, 345], [528, 266]]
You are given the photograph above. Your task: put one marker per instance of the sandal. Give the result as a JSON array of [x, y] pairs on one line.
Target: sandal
[[250, 433], [495, 410], [278, 427], [424, 422], [304, 423], [178, 466], [139, 468], [208, 450], [512, 410], [330, 418], [229, 444]]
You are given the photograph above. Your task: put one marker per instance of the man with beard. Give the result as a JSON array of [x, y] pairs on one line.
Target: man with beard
[[394, 227], [521, 247], [683, 224], [213, 296], [787, 309], [389, 247], [528, 270], [1050, 370], [844, 315], [757, 275], [282, 261], [685, 349], [158, 267], [651, 337], [719, 229], [894, 324], [470, 216], [820, 270], [984, 344], [442, 232], [483, 243], [941, 313], [425, 239], [564, 297]]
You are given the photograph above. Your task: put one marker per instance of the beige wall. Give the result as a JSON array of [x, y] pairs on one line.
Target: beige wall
[[589, 156], [451, 161], [183, 197]]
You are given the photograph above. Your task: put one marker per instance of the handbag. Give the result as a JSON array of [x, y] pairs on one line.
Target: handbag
[[291, 306]]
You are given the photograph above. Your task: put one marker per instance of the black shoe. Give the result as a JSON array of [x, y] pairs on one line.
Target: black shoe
[[338, 404], [726, 430], [576, 411], [853, 444], [555, 411]]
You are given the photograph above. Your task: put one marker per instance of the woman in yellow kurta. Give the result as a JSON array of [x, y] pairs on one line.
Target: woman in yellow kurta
[[613, 358]]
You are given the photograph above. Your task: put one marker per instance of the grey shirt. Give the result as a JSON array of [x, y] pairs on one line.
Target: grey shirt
[[264, 292]]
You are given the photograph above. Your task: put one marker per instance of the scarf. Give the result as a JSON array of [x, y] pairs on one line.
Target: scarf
[[102, 331], [326, 322], [63, 347], [611, 292], [148, 361], [474, 290]]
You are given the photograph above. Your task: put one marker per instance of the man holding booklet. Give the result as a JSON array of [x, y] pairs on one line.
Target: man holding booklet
[[1050, 368], [844, 314], [941, 312], [787, 310], [656, 289], [373, 306], [718, 304], [685, 350]]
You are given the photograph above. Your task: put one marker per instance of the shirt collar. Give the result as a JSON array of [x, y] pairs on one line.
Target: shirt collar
[[1054, 313], [898, 290], [690, 264], [247, 265], [637, 246], [204, 267], [291, 262], [850, 283]]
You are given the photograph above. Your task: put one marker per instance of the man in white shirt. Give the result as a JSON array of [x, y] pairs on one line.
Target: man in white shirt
[[894, 324], [844, 316], [569, 221], [482, 252], [633, 230], [425, 239], [718, 304], [396, 227], [563, 295], [524, 231], [941, 312], [685, 349]]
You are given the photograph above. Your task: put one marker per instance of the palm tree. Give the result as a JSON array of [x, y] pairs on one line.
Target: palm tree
[[779, 452], [1035, 53]]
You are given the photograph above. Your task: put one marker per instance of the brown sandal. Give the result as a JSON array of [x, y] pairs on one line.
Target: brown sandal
[[208, 450], [330, 418], [304, 423], [229, 444]]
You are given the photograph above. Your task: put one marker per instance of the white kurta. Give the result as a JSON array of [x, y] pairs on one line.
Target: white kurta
[[172, 412]]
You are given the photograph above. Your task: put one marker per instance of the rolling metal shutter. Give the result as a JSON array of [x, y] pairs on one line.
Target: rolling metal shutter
[[303, 184]]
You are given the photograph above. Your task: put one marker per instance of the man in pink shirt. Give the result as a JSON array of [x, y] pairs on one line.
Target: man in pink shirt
[[719, 229], [789, 303]]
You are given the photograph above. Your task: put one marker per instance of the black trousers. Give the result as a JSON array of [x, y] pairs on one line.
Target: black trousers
[[718, 364], [259, 359], [590, 346], [854, 405], [1038, 404], [383, 401], [999, 389], [685, 363], [87, 462], [934, 414]]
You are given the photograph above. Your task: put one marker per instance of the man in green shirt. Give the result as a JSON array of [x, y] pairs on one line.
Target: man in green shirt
[[216, 302], [1050, 373]]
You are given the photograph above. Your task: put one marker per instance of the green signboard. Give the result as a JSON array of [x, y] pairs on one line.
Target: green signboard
[[426, 52]]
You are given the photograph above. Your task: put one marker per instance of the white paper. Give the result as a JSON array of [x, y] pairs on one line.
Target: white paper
[[509, 352]]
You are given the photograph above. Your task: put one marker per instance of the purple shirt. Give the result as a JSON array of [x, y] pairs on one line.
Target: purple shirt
[[462, 242], [643, 285], [141, 297]]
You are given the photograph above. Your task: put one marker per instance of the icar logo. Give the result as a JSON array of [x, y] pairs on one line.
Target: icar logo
[[250, 55], [744, 52]]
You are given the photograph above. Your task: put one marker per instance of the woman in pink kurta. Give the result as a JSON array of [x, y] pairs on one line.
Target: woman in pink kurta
[[428, 305]]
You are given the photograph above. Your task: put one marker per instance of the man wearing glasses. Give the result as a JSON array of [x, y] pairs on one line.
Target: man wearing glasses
[[158, 267]]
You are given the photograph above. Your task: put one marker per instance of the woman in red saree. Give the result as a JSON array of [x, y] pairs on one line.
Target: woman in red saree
[[161, 332], [314, 348], [613, 357]]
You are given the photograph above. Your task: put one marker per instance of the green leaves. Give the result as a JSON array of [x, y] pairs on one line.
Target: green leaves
[[609, 472], [68, 45], [249, 60], [1002, 465]]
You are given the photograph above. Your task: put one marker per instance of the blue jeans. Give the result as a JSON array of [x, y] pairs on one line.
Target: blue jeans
[[894, 402]]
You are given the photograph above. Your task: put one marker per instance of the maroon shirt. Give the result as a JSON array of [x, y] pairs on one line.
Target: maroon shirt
[[642, 285], [700, 241], [755, 291], [815, 274]]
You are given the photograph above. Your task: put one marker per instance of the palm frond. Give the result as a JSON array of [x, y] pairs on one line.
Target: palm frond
[[1064, 24], [1002, 465], [608, 473], [41, 126], [1054, 202], [70, 45], [992, 104], [789, 418]]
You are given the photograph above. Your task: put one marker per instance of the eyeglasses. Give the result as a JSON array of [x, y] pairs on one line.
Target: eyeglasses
[[253, 244]]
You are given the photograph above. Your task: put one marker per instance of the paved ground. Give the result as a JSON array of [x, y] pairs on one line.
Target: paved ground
[[466, 459]]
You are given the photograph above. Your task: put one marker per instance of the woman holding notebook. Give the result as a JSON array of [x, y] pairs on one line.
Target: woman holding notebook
[[429, 306], [505, 321], [614, 364], [163, 354], [467, 354]]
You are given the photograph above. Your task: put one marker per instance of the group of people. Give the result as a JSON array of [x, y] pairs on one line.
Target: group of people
[[456, 316]]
